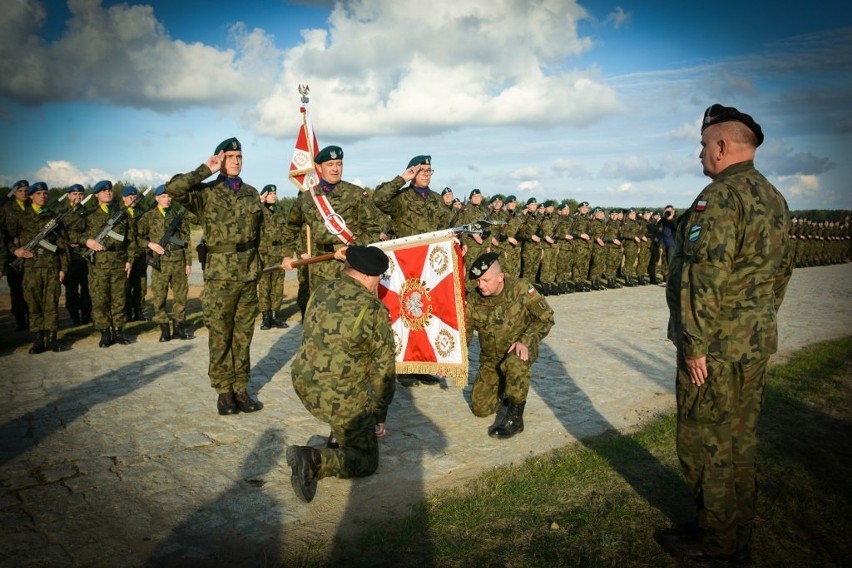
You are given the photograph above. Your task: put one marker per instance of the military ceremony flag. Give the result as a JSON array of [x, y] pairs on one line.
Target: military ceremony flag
[[424, 292], [303, 172]]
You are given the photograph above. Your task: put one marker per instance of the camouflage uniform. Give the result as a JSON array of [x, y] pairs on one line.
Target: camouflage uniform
[[728, 278], [549, 253], [270, 285], [597, 264], [511, 257], [78, 301], [472, 214], [518, 313], [411, 212], [643, 259], [136, 285], [350, 202], [531, 249], [230, 220], [565, 256], [11, 212], [344, 372], [151, 228], [613, 251], [629, 238], [582, 253]]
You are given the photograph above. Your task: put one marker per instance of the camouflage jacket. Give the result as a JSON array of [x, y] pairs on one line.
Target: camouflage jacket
[[473, 214], [151, 228], [731, 267], [74, 222], [272, 235], [118, 251], [514, 226], [24, 227], [518, 313], [596, 229], [411, 213], [345, 365], [230, 221], [11, 211]]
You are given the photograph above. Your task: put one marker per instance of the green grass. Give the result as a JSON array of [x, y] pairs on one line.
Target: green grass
[[598, 503]]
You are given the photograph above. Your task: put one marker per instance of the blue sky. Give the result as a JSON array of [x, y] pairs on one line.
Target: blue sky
[[597, 100]]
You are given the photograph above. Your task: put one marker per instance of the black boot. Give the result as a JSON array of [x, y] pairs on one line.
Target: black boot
[[512, 424], [304, 463], [38, 343], [266, 321], [106, 338], [226, 404], [273, 319], [181, 332], [580, 287], [140, 315], [246, 403], [52, 342], [165, 333], [75, 317], [119, 337]]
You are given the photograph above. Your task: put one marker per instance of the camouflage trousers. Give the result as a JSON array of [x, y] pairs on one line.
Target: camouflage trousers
[[510, 259], [41, 292], [230, 309], [549, 255], [106, 285], [613, 260], [643, 259], [270, 290], [497, 377], [564, 260], [171, 274], [580, 265], [16, 290], [358, 454], [631, 254], [531, 261], [76, 283], [597, 264], [717, 445], [137, 284]]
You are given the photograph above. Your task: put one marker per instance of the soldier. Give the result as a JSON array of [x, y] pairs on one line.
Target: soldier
[[582, 244], [12, 210], [613, 249], [43, 269], [78, 302], [270, 285], [597, 264], [549, 249], [447, 198], [171, 263], [473, 243], [531, 241], [230, 215], [343, 372], [643, 259], [338, 214], [725, 285], [564, 258], [110, 266], [511, 319], [137, 282], [510, 260]]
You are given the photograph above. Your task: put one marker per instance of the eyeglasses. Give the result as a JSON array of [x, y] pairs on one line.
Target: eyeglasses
[[427, 172]]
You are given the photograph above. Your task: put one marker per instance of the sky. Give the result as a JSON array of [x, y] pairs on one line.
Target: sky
[[591, 100]]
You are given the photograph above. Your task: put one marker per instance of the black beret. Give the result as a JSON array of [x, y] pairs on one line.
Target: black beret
[[446, 190], [718, 113], [37, 186], [481, 264], [367, 260], [102, 185], [20, 183], [474, 192], [329, 153], [267, 188], [74, 188], [417, 160], [228, 145]]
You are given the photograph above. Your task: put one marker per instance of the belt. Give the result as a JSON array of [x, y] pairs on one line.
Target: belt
[[239, 247]]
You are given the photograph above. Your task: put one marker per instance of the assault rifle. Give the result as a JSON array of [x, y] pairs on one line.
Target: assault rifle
[[114, 219], [40, 240], [169, 238]]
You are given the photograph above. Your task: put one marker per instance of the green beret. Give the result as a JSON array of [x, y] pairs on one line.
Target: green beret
[[481, 265], [474, 192], [329, 153], [367, 260], [531, 200], [510, 199], [417, 160], [549, 203], [268, 188], [228, 145], [564, 204], [495, 198], [583, 204]]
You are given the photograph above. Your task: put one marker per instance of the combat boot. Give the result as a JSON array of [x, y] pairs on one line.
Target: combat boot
[[165, 333], [106, 338], [246, 403], [580, 287], [52, 342], [512, 424], [75, 317], [119, 337], [38, 343], [140, 315], [181, 332], [275, 322], [304, 462], [226, 404], [266, 321]]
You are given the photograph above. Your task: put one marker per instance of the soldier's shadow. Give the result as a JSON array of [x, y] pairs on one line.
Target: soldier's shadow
[[276, 357]]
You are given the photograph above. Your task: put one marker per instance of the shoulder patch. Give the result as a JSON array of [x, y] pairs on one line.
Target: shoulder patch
[[701, 206], [694, 233]]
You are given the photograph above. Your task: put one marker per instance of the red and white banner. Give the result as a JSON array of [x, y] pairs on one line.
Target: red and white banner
[[303, 171], [424, 291]]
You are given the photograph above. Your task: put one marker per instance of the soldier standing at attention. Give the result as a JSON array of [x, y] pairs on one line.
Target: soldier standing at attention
[[725, 285], [230, 215], [13, 209], [43, 269], [174, 267], [510, 260], [78, 302], [270, 285], [344, 372], [137, 281], [511, 319], [447, 198]]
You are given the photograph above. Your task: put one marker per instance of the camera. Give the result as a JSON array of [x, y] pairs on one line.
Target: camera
[[668, 213]]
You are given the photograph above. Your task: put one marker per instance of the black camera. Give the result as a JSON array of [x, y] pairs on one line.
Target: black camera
[[668, 213]]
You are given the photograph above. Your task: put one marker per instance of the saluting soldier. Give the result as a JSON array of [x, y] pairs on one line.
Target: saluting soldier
[[511, 318], [171, 263], [110, 267], [11, 211], [270, 285], [78, 301], [43, 268], [230, 215], [343, 372]]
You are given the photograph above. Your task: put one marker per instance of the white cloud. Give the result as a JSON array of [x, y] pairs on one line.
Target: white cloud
[[618, 17], [626, 187], [799, 185], [137, 176], [62, 173], [529, 186], [635, 168], [525, 173], [570, 168]]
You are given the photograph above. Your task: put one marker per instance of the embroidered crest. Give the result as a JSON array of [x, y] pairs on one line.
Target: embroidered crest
[[701, 206], [694, 233]]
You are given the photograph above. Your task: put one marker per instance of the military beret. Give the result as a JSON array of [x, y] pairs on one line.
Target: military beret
[[456, 200], [510, 199], [596, 209], [474, 192], [564, 204], [37, 186], [531, 200], [718, 113], [417, 160], [161, 190], [583, 204], [367, 260], [102, 185], [494, 198], [129, 190], [446, 190], [20, 183], [228, 145], [548, 203], [75, 188], [329, 153], [481, 265], [267, 188]]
